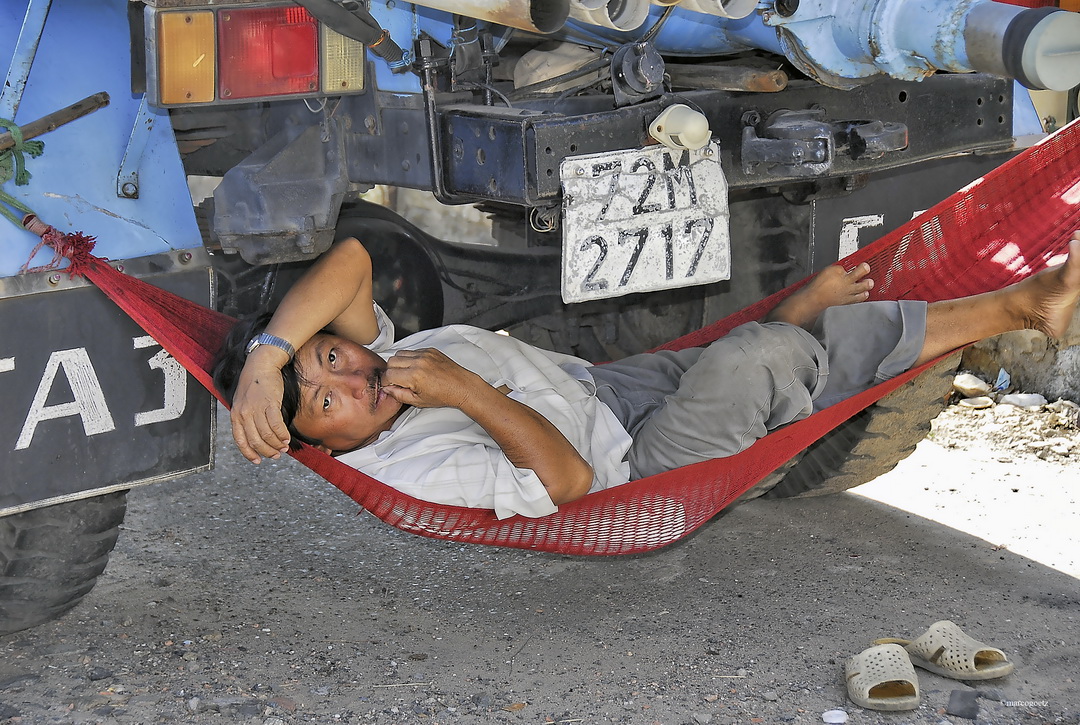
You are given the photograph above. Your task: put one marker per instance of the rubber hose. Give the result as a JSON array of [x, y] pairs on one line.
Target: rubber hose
[[342, 21], [357, 24]]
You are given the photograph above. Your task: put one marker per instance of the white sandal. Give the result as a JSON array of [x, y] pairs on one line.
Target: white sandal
[[882, 678], [946, 650]]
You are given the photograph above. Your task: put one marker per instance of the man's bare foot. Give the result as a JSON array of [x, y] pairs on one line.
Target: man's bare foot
[[1047, 301], [832, 287]]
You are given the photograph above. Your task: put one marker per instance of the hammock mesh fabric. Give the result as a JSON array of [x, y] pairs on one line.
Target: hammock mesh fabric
[[1000, 229]]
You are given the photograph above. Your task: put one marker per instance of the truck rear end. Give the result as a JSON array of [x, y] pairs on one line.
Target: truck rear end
[[631, 170]]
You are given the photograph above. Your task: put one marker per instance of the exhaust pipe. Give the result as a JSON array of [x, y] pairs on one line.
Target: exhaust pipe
[[911, 39], [622, 15], [535, 16], [1040, 47], [733, 9]]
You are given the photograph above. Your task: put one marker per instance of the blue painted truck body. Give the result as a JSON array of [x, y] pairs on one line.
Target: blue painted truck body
[[90, 404]]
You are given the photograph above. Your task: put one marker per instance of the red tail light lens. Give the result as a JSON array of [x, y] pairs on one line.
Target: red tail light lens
[[267, 52]]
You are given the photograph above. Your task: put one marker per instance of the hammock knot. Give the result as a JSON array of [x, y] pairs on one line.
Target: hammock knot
[[76, 247], [13, 166]]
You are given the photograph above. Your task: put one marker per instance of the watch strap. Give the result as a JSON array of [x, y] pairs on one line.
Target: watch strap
[[265, 338]]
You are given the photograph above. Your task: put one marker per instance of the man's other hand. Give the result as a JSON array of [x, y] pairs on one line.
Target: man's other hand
[[427, 378]]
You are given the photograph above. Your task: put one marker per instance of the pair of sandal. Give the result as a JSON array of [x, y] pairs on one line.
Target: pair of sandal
[[883, 676]]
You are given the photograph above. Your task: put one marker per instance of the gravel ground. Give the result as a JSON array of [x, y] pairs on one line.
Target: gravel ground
[[258, 595]]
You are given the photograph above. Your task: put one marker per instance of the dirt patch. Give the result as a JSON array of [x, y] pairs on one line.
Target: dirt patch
[[1050, 432]]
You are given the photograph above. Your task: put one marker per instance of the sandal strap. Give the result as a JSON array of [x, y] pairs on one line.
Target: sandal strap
[[946, 645], [877, 665]]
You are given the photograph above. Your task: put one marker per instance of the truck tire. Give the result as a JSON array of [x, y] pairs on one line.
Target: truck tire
[[50, 557], [872, 442], [404, 280]]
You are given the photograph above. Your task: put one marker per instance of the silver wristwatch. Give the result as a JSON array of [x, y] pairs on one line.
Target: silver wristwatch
[[266, 338]]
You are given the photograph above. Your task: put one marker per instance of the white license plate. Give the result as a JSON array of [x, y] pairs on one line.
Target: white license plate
[[643, 220]]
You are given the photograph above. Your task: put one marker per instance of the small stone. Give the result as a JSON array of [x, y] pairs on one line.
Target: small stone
[[835, 717], [237, 707], [702, 718], [970, 386], [977, 403], [992, 694], [483, 700], [741, 672], [1065, 413], [1007, 414], [98, 673], [285, 703], [273, 721], [963, 703], [193, 704], [1028, 401], [770, 696]]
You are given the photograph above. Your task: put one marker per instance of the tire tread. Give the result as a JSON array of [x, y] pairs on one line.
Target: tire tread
[[50, 558]]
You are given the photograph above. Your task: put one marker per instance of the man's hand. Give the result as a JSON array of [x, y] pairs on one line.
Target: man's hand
[[427, 378], [258, 428]]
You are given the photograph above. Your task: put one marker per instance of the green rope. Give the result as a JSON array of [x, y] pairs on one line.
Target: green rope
[[13, 166]]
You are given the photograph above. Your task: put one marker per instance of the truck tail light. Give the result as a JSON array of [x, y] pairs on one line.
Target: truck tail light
[[342, 63], [221, 55], [267, 52], [186, 56]]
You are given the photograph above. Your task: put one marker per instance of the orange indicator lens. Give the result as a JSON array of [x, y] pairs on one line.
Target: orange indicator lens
[[186, 50]]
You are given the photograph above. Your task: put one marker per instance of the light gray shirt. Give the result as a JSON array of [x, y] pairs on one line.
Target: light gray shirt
[[442, 455]]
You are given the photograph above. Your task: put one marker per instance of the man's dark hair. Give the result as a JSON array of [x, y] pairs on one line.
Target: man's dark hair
[[230, 362]]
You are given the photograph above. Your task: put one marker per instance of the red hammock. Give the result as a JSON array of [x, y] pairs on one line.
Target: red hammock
[[998, 230]]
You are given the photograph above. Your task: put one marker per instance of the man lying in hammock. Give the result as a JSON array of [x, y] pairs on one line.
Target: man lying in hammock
[[463, 416]]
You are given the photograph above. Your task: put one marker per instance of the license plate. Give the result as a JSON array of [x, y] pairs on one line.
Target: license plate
[[643, 220], [90, 401]]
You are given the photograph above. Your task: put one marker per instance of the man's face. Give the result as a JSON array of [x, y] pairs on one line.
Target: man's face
[[342, 402]]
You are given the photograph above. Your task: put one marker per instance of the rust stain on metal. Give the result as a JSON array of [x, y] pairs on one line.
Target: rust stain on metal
[[770, 82], [506, 13]]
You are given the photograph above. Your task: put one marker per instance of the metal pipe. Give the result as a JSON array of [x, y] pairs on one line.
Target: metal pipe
[[1040, 47], [622, 15], [688, 34], [733, 9], [536, 16], [843, 43], [56, 119], [726, 77], [23, 57]]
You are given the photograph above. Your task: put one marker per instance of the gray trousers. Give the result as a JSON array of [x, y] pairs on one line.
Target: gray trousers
[[686, 406]]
